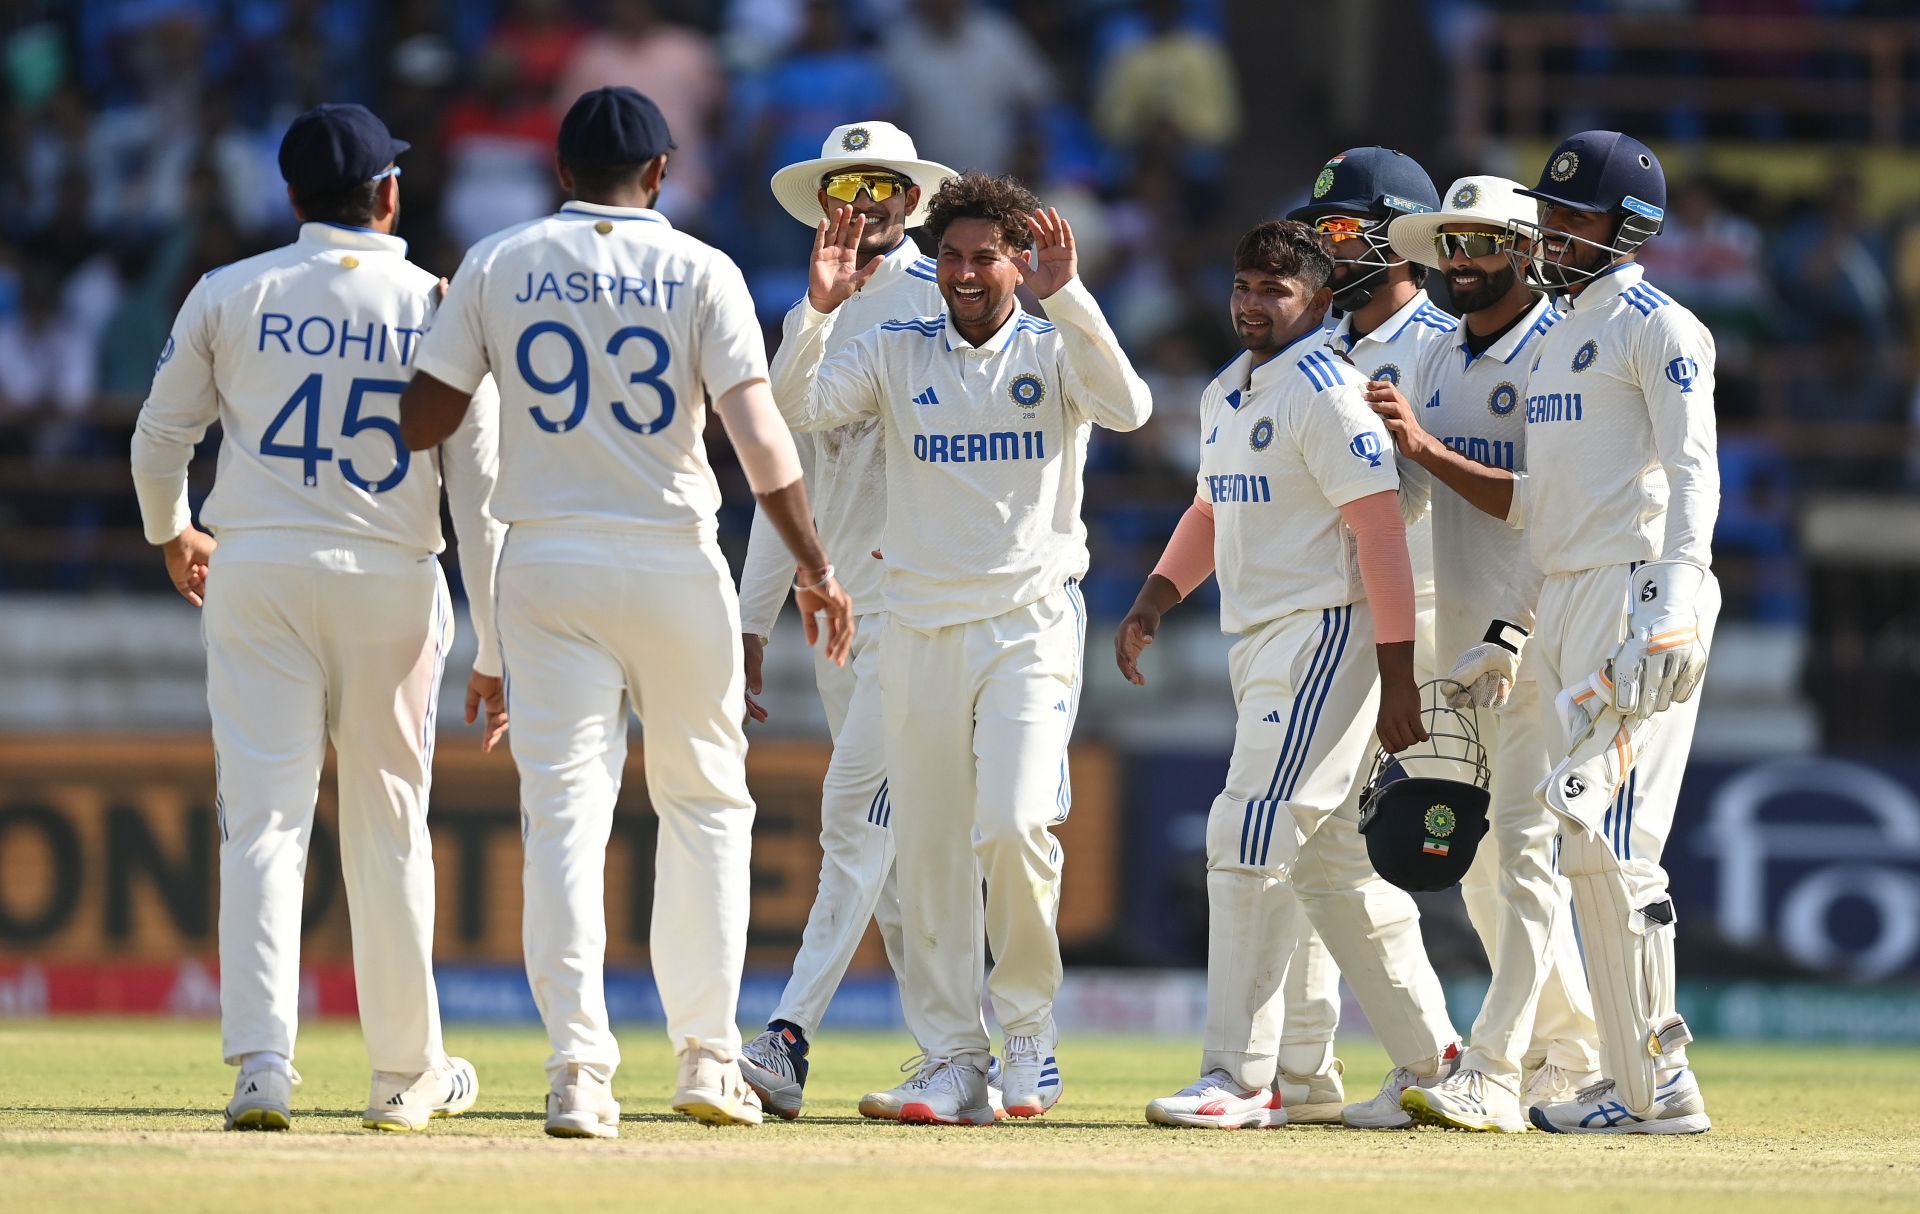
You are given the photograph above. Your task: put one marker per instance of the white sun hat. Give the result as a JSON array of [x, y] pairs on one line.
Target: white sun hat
[[1492, 201], [881, 144]]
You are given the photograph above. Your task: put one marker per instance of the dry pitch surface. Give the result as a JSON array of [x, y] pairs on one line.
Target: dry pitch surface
[[122, 1116]]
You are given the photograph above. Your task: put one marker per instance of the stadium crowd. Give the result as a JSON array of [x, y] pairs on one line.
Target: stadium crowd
[[139, 139]]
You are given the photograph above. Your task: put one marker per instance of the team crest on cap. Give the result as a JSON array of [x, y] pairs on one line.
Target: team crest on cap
[[1584, 356], [1441, 821], [855, 140], [1466, 196], [1262, 436], [1388, 372], [1027, 390], [1503, 400], [1564, 166], [1324, 182]]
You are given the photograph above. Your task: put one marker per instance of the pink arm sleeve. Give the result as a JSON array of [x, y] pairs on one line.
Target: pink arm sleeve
[[1385, 568], [1188, 560]]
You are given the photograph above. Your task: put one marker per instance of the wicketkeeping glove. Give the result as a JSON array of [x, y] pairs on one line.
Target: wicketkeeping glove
[[1662, 660], [1485, 673]]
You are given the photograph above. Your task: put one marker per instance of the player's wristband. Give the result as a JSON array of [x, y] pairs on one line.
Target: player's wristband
[[825, 577], [1508, 636]]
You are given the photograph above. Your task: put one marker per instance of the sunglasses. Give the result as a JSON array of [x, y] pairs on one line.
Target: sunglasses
[[1471, 244], [880, 186], [1340, 226]]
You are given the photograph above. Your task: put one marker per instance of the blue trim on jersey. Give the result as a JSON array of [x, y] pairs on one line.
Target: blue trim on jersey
[[913, 326], [914, 271], [1031, 324], [1432, 317], [566, 208], [1644, 298], [1322, 370], [1063, 797]]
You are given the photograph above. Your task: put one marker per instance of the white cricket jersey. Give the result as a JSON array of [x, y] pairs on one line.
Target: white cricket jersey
[[984, 445], [846, 467], [301, 354], [1286, 445], [607, 330], [1621, 448], [1403, 349], [1478, 414]]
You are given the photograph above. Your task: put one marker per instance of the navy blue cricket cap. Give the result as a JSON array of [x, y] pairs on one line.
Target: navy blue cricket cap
[[332, 147], [1603, 171], [613, 125], [1372, 181]]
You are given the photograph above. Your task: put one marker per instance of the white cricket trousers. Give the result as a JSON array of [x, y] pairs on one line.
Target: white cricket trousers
[[1284, 836], [857, 881], [1537, 1002], [325, 639], [657, 630], [1615, 874], [978, 720]]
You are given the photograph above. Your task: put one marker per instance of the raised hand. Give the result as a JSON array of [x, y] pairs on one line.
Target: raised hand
[[1052, 262], [835, 273]]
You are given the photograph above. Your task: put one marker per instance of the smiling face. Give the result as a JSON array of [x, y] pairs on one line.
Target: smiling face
[[977, 274], [1269, 311], [1478, 283], [886, 221], [1557, 252]]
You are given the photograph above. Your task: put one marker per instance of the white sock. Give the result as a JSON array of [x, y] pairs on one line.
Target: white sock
[[266, 1060], [1307, 1060]]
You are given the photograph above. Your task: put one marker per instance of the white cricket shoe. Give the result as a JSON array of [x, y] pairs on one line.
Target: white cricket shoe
[[947, 1093], [262, 1099], [774, 1064], [1031, 1077], [1215, 1101], [1313, 1099], [1550, 1084], [1678, 1108], [1383, 1112], [405, 1103], [583, 1107], [885, 1105], [1466, 1100], [712, 1090]]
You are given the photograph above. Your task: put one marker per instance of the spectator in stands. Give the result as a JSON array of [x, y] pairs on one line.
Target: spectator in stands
[[1711, 259], [1829, 261], [941, 50], [677, 69], [1178, 79], [498, 143], [46, 367], [543, 38]]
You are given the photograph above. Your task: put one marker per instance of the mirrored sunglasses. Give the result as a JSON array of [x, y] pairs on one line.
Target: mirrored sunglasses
[[1341, 226], [1471, 244], [847, 186]]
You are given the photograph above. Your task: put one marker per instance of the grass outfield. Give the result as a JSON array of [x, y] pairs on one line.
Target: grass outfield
[[123, 1116]]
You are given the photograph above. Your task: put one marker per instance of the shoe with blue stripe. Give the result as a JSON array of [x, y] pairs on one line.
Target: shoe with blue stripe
[[774, 1064], [1678, 1108], [406, 1103], [1032, 1075]]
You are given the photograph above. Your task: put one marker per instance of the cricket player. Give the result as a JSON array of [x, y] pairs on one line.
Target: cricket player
[[872, 168], [1298, 510], [1619, 500], [607, 330], [324, 610], [986, 412], [1517, 899]]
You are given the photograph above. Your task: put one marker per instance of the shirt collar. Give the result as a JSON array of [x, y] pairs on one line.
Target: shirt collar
[[1512, 341], [1001, 339], [342, 236], [576, 207], [1386, 331], [1605, 285], [1263, 374]]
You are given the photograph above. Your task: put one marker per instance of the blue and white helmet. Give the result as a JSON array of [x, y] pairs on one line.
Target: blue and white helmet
[[1599, 171]]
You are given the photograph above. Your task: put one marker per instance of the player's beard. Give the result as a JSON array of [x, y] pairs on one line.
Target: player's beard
[[1492, 289]]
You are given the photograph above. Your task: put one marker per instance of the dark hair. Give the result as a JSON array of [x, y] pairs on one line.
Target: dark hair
[[353, 206], [976, 195], [605, 179], [1286, 248]]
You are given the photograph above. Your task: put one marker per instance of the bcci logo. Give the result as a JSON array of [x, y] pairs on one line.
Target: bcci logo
[[1503, 400], [1441, 821], [1584, 356], [1262, 436], [1027, 391], [855, 140], [1323, 184], [1367, 446], [1388, 372], [1682, 371], [1466, 197], [1564, 166]]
